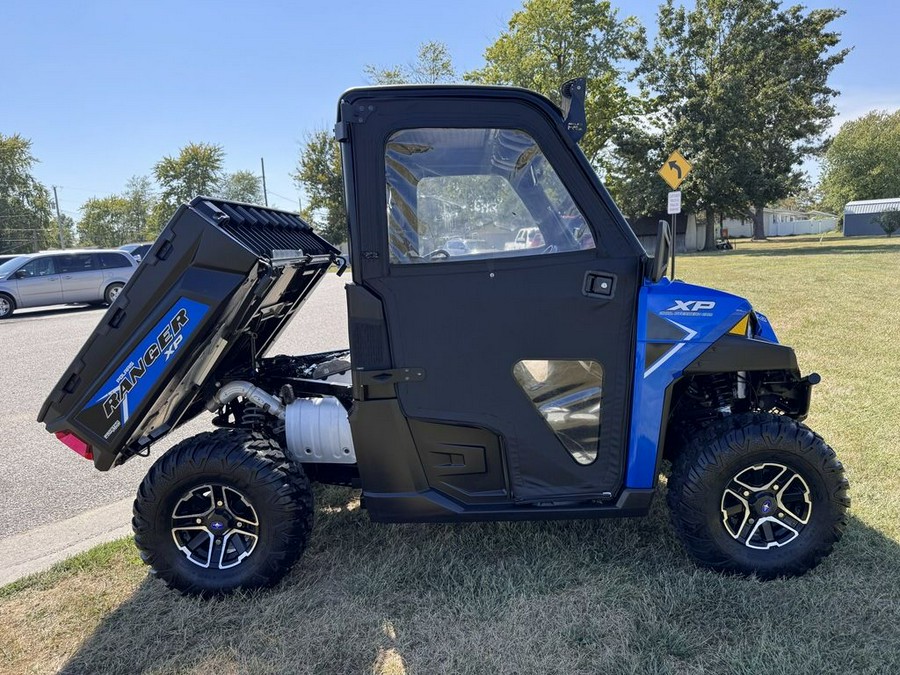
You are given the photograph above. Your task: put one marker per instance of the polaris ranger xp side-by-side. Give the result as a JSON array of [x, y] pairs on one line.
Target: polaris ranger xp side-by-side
[[483, 381]]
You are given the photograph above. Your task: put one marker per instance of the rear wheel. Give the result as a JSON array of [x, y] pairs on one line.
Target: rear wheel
[[758, 493], [7, 306], [112, 292], [223, 510]]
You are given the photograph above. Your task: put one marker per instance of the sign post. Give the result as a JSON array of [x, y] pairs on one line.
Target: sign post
[[674, 170]]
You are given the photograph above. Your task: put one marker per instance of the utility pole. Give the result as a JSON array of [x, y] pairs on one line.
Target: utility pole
[[262, 165], [58, 218]]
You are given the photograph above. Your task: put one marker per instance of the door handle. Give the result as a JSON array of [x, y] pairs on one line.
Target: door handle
[[599, 285]]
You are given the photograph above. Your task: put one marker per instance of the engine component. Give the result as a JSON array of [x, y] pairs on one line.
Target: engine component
[[318, 430], [250, 392]]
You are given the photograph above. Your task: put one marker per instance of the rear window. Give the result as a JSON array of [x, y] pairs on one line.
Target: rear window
[[110, 261], [76, 262]]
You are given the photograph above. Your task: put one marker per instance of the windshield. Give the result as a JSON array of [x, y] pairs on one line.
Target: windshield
[[10, 266]]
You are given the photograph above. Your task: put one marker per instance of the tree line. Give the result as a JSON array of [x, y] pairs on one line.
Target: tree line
[[738, 86], [741, 87], [28, 219]]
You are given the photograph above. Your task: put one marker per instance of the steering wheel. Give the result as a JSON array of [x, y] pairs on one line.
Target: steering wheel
[[441, 253]]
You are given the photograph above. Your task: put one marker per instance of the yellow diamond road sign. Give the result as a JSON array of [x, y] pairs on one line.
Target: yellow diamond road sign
[[675, 169]]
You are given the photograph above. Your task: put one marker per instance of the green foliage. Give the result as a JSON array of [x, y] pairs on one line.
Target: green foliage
[[433, 65], [550, 41], [24, 202], [740, 87], [889, 221], [103, 222], [197, 170], [863, 160], [119, 219], [319, 175], [243, 186]]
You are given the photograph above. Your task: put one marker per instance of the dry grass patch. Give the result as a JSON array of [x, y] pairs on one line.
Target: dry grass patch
[[614, 596]]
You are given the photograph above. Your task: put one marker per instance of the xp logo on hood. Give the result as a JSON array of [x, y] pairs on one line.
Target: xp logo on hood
[[691, 306], [131, 381]]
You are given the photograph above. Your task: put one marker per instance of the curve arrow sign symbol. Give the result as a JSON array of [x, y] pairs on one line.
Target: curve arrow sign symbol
[[675, 167]]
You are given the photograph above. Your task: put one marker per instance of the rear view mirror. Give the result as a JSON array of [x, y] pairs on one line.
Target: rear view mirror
[[20, 274], [663, 247]]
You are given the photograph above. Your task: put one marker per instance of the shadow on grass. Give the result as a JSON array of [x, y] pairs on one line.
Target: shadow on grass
[[569, 597]]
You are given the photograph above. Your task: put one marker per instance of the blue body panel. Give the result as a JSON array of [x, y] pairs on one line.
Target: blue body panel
[[685, 320]]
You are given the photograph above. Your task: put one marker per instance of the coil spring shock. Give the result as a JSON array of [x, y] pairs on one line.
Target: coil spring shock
[[252, 416]]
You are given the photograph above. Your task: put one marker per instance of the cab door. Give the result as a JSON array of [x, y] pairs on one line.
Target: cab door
[[529, 345], [38, 282], [82, 278]]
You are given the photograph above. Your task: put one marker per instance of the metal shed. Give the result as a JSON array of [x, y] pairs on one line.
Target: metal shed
[[859, 217]]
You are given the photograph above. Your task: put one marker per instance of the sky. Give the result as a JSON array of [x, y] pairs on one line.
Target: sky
[[105, 88]]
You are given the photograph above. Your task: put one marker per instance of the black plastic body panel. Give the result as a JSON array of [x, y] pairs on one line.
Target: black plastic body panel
[[731, 353], [432, 507], [219, 285]]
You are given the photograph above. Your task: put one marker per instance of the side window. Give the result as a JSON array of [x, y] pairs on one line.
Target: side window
[[39, 267], [76, 262], [113, 260], [568, 395], [463, 194]]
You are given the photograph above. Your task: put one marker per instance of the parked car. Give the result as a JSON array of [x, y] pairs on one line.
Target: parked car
[[137, 251], [526, 237], [57, 277]]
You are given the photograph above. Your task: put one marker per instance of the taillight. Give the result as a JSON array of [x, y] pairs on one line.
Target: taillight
[[76, 444]]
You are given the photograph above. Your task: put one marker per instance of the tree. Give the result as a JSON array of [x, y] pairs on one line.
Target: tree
[[889, 221], [197, 170], [68, 231], [433, 65], [25, 223], [740, 87], [790, 104], [550, 41], [141, 200], [863, 160], [243, 186], [319, 175], [104, 222]]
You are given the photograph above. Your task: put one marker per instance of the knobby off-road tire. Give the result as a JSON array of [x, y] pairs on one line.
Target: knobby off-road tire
[[250, 479], [754, 448]]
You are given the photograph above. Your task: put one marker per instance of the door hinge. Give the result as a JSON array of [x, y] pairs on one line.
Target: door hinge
[[390, 376]]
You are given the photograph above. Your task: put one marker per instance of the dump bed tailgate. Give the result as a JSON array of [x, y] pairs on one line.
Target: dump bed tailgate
[[219, 285]]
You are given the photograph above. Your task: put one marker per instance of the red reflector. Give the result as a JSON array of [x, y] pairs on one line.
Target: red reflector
[[76, 444]]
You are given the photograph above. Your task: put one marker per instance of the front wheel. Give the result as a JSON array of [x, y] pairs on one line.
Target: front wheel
[[758, 494], [222, 510], [7, 306]]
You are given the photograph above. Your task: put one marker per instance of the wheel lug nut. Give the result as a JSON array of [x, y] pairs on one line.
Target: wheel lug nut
[[752, 520], [218, 542], [199, 520], [218, 503], [774, 487], [240, 524], [746, 493], [781, 515]]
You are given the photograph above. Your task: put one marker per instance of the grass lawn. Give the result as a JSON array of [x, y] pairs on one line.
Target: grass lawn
[[614, 596]]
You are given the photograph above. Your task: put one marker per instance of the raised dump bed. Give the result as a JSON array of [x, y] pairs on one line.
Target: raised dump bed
[[218, 287]]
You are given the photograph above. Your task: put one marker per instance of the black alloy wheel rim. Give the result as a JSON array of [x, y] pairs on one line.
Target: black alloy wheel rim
[[215, 526], [766, 505]]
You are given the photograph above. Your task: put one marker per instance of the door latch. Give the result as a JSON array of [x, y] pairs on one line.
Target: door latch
[[599, 285]]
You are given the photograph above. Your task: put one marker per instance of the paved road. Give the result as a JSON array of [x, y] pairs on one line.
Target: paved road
[[42, 481]]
